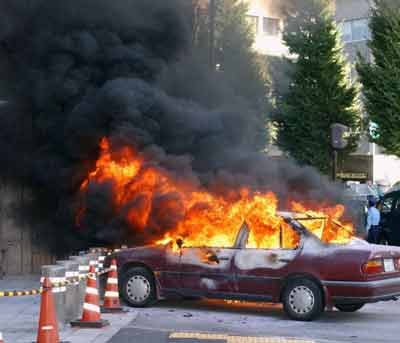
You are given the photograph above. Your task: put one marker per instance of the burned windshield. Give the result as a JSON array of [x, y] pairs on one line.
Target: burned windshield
[[327, 229]]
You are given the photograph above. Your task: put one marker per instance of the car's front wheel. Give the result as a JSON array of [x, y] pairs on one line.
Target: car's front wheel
[[349, 307], [138, 287], [303, 300]]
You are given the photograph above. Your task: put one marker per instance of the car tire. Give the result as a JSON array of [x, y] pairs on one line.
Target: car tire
[[137, 287], [303, 300], [349, 307]]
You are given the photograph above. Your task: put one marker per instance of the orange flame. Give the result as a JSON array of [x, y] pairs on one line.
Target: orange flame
[[181, 209]]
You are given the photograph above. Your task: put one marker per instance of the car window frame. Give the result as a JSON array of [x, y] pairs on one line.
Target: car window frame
[[310, 233], [300, 229], [394, 201], [300, 232]]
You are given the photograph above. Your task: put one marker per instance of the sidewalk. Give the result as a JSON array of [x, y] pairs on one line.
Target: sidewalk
[[19, 317]]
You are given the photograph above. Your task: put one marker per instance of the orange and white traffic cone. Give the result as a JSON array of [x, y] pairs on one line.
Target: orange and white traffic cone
[[111, 296], [91, 317], [48, 326], [1, 338]]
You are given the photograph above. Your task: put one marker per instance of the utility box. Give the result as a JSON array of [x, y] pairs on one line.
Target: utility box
[[339, 136]]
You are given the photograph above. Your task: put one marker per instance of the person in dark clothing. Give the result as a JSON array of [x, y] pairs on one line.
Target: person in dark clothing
[[373, 220]]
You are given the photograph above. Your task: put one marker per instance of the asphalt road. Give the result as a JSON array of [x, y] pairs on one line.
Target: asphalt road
[[206, 321]]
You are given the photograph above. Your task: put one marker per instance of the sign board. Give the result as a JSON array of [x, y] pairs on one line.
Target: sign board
[[356, 168], [352, 176]]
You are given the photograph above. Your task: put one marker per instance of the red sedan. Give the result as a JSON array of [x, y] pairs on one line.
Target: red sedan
[[306, 275]]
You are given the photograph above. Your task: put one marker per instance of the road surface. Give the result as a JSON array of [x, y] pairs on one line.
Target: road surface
[[217, 321]]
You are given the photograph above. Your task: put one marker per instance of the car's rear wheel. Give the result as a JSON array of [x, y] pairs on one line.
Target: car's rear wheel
[[138, 287], [303, 300], [349, 307]]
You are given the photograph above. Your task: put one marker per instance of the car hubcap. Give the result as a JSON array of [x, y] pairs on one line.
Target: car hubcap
[[301, 299], [138, 288]]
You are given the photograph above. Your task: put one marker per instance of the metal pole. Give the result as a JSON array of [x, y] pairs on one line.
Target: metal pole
[[212, 13], [334, 164]]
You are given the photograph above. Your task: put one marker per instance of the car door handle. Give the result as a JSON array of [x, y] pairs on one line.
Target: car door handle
[[224, 258]]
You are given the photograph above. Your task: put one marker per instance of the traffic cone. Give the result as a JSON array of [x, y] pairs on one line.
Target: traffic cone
[[48, 326], [91, 317], [1, 338], [111, 296]]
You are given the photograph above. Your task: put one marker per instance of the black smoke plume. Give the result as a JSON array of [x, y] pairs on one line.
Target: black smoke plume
[[78, 70]]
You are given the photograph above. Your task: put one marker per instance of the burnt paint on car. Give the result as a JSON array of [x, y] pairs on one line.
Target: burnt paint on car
[[239, 273]]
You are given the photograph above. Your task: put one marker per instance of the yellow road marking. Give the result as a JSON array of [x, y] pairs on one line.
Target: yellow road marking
[[236, 339]]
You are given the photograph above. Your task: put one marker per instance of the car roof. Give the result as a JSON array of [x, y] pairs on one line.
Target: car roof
[[394, 192], [296, 215]]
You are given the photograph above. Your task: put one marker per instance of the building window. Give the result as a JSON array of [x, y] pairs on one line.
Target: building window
[[354, 30], [253, 21], [271, 26]]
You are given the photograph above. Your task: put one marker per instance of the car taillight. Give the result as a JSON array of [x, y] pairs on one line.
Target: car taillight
[[397, 262], [373, 267]]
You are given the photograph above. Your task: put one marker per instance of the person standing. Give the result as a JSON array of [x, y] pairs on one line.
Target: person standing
[[373, 219]]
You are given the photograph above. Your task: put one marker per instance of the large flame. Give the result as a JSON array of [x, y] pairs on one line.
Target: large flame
[[182, 209]]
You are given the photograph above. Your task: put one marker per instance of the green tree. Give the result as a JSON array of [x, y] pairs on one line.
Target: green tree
[[236, 62], [319, 93], [381, 78]]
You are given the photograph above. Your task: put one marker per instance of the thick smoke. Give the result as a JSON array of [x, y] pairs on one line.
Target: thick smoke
[[76, 71]]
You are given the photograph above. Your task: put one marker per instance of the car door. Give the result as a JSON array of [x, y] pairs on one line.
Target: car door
[[259, 271], [210, 270], [207, 270], [394, 223], [387, 223]]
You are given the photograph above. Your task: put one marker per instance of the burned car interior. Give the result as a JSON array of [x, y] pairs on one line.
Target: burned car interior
[[287, 236]]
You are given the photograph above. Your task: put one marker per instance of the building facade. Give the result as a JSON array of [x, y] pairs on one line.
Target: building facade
[[267, 21], [368, 163], [353, 19]]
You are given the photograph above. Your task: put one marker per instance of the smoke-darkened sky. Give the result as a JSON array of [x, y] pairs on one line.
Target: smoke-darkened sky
[[78, 70]]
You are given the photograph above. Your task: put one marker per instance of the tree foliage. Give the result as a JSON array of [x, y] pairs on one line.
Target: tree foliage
[[381, 78], [237, 64], [319, 93]]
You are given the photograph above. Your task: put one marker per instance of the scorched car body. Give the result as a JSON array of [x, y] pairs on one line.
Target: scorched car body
[[305, 279]]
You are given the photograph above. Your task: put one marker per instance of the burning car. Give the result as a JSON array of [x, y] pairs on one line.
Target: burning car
[[298, 264]]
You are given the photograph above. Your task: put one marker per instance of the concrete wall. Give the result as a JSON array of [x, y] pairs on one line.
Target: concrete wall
[[20, 249], [69, 299]]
